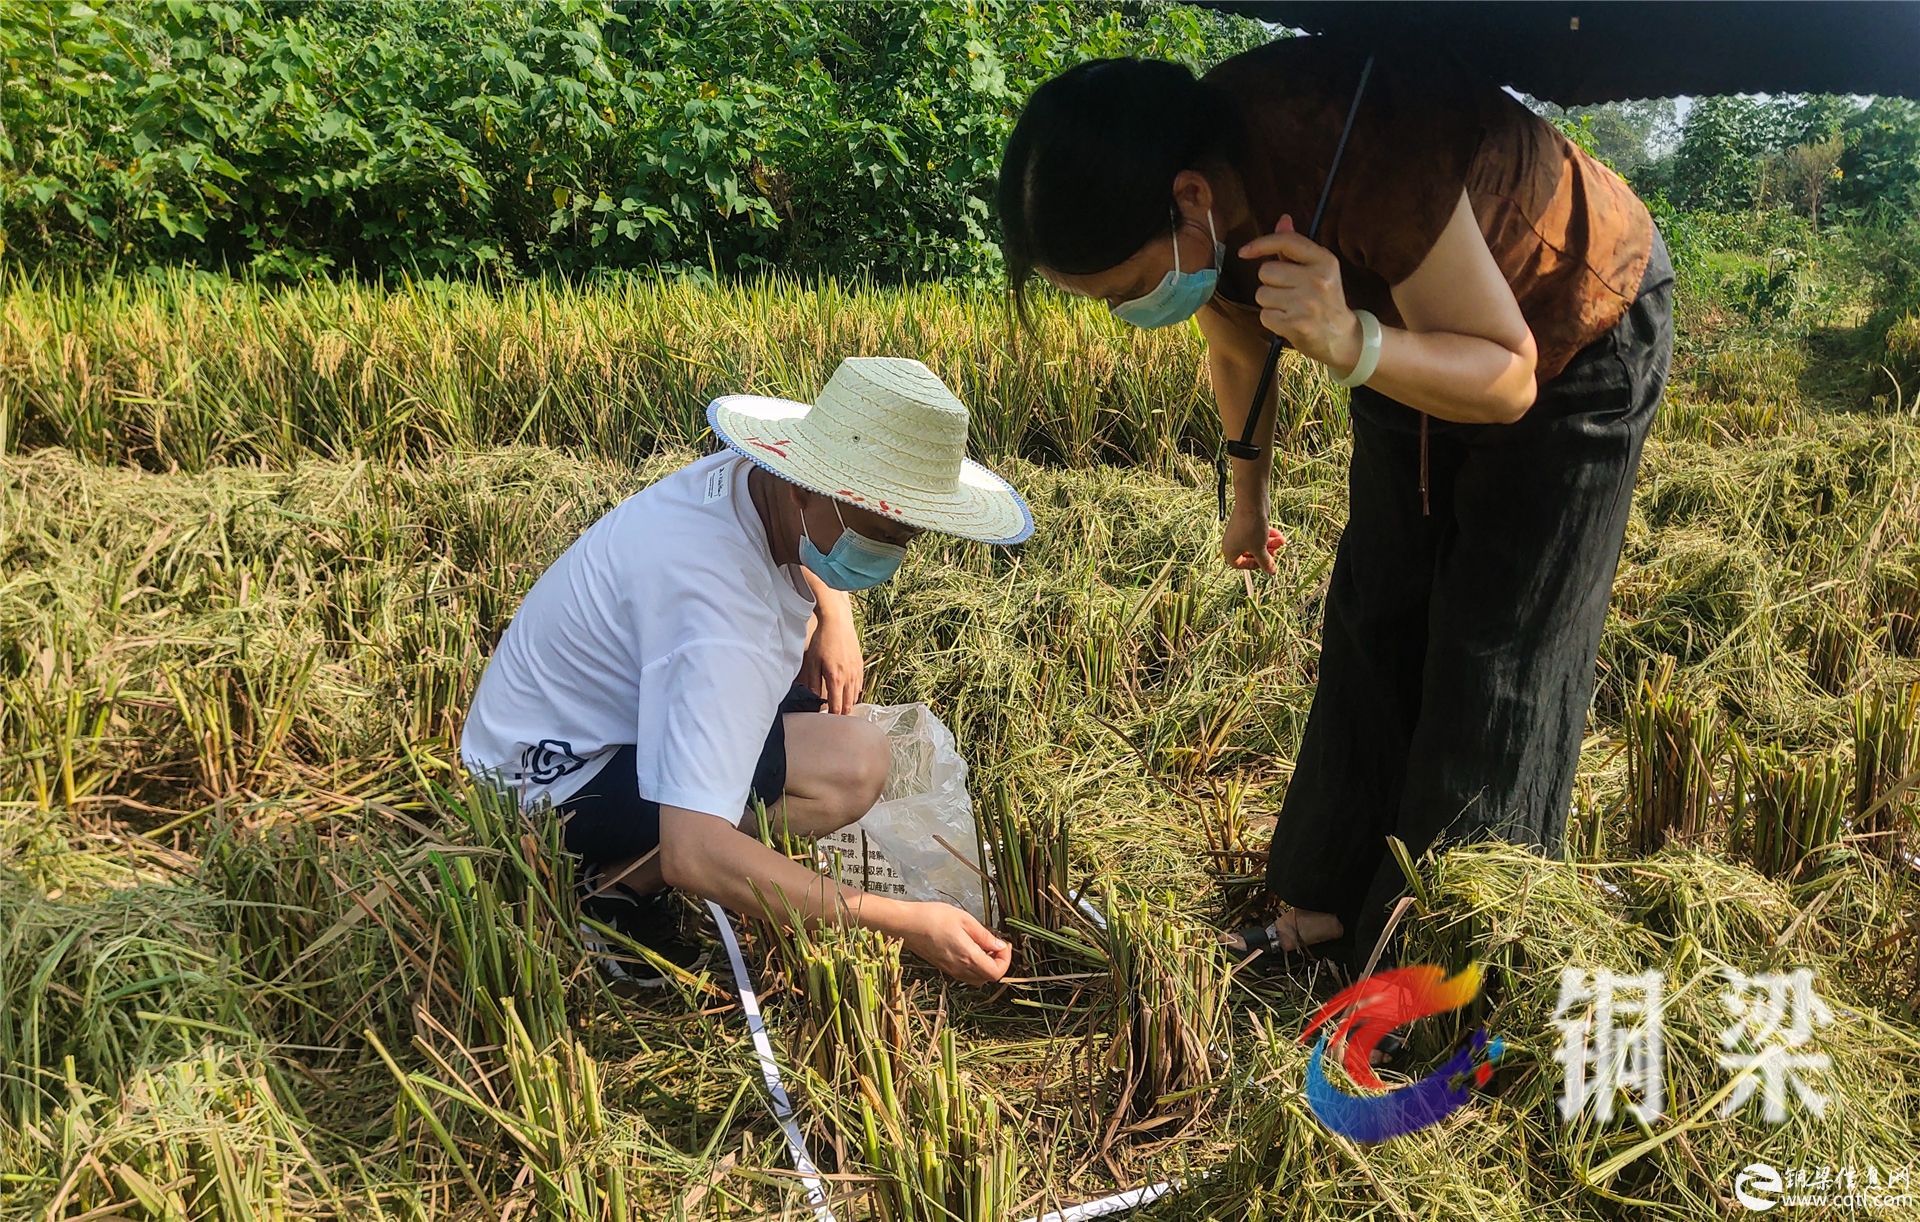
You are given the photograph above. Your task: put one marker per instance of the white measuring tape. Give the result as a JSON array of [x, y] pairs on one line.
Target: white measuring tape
[[1093, 914], [1119, 1202], [770, 1070]]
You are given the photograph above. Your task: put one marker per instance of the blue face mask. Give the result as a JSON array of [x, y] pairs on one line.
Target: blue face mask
[[1179, 295], [855, 561]]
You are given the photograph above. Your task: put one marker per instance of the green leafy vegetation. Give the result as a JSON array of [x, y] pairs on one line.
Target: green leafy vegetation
[[412, 137]]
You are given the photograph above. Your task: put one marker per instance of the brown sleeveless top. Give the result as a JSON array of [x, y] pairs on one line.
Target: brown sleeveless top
[[1571, 236]]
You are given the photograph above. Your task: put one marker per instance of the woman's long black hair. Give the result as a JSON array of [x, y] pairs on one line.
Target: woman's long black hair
[[1087, 179]]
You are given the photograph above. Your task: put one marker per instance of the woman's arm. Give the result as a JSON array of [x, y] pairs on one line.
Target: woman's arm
[[1233, 363], [1234, 360], [1465, 353]]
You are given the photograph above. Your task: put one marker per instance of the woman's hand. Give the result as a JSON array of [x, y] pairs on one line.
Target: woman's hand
[[833, 667], [1301, 297], [1247, 541], [951, 939]]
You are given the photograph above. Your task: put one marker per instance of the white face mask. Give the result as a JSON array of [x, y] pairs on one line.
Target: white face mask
[[1179, 295], [854, 562]]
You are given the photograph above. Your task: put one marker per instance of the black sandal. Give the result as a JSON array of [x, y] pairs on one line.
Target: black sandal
[[1262, 942], [1392, 1051]]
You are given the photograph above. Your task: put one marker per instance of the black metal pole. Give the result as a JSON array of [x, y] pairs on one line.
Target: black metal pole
[[1244, 447]]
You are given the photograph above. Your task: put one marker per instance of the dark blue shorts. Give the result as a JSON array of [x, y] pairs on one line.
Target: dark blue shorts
[[608, 820]]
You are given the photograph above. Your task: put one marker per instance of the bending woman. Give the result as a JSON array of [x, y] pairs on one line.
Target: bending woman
[[1501, 302]]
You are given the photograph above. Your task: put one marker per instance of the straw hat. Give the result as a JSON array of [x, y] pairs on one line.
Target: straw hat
[[887, 436]]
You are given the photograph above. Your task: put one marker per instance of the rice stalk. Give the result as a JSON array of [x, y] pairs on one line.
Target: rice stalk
[[944, 1153], [1886, 771], [545, 1099], [1237, 865], [301, 902], [853, 1028], [500, 920], [1839, 640], [1787, 812], [1896, 601], [1168, 1019], [1673, 745], [80, 975], [1027, 852], [239, 717], [60, 719], [184, 372], [210, 1135], [885, 1078]]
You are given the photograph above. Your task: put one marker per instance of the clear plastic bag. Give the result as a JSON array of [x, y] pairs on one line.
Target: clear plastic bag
[[918, 842]]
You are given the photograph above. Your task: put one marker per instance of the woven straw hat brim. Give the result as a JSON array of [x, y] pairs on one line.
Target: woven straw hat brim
[[877, 475]]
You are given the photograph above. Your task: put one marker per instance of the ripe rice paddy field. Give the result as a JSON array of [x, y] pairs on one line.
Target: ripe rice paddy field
[[264, 954]]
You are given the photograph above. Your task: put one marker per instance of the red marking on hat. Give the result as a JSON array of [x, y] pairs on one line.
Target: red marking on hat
[[776, 446]]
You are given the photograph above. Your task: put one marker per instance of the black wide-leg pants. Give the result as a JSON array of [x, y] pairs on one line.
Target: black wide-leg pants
[[1457, 654]]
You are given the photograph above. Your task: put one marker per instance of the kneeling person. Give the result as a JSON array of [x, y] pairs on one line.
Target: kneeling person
[[646, 687]]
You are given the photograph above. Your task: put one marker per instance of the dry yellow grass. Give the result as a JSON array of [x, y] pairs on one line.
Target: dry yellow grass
[[263, 955]]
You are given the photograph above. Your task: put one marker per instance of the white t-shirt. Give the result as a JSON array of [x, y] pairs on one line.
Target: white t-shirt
[[667, 625]]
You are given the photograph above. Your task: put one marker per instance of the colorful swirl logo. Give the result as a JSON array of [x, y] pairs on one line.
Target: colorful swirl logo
[[1367, 1012]]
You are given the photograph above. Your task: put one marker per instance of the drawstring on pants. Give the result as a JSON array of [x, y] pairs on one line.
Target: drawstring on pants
[[1425, 509]]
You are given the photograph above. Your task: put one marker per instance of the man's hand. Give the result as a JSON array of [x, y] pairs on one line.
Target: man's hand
[[950, 939], [1302, 298], [1248, 542], [833, 667], [714, 860]]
